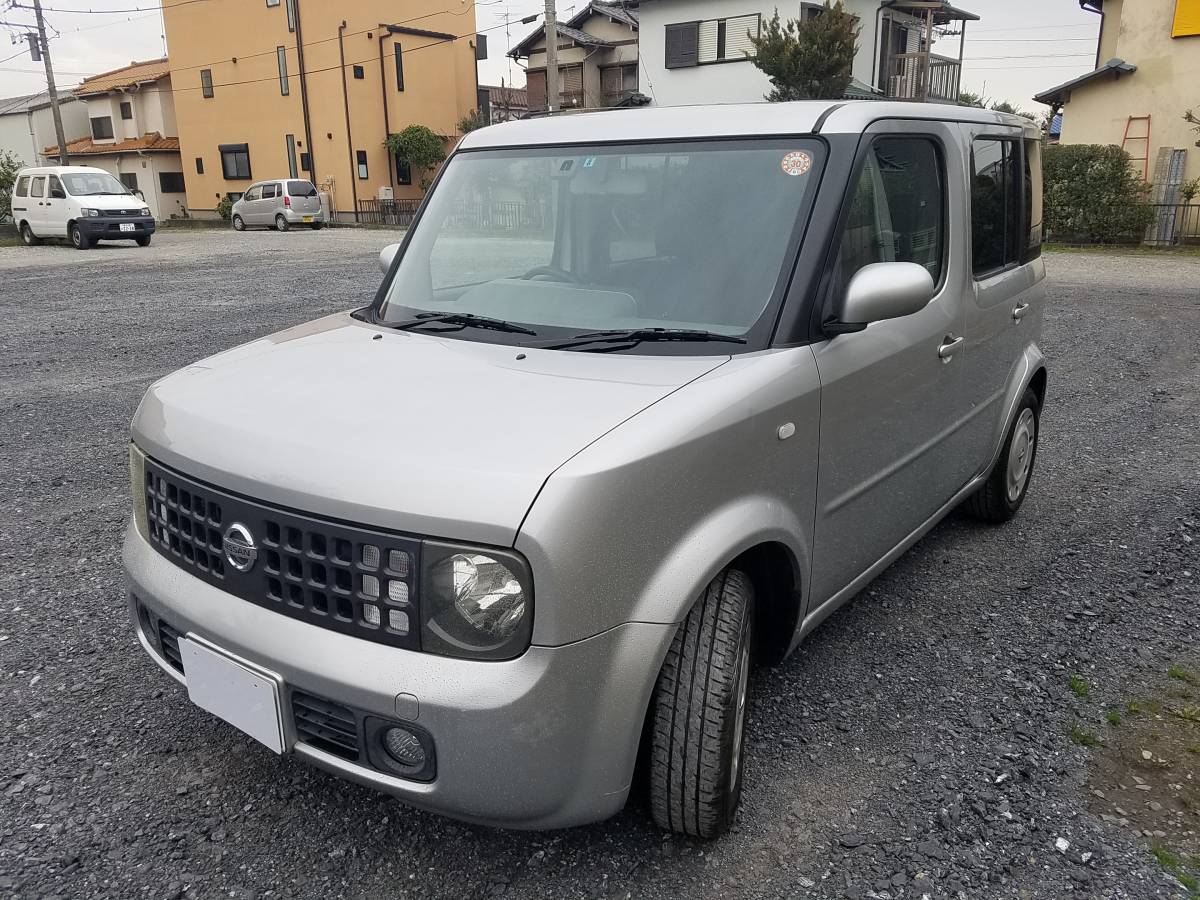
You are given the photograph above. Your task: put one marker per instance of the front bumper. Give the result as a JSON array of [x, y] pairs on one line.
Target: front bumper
[[547, 740], [109, 227]]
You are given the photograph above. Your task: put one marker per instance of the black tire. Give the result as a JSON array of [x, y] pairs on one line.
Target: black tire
[[238, 224], [697, 722], [317, 226], [143, 241], [27, 235], [78, 239], [281, 223], [995, 500]]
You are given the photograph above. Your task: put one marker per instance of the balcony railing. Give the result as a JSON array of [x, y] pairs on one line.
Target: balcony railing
[[908, 78]]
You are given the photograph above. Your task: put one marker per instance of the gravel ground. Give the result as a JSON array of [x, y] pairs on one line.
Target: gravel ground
[[918, 744]]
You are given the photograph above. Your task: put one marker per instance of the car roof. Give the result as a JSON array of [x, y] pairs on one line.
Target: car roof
[[721, 120], [61, 170]]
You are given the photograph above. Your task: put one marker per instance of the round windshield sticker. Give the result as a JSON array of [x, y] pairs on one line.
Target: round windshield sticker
[[796, 163]]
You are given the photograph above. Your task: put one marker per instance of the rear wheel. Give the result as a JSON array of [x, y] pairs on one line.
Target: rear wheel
[[281, 223], [698, 717], [27, 235], [999, 498], [238, 224], [80, 240], [317, 226], [143, 241]]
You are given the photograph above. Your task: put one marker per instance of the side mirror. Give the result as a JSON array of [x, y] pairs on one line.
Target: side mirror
[[880, 291], [386, 255], [58, 194]]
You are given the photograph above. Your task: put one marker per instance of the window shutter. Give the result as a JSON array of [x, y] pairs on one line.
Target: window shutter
[[737, 36], [707, 41], [683, 45], [572, 79], [535, 85]]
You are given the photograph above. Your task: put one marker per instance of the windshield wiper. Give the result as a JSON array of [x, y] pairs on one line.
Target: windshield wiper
[[633, 336], [460, 320]]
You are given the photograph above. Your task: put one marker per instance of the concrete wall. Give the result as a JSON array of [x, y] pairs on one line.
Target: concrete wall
[[1162, 87], [27, 134], [247, 106]]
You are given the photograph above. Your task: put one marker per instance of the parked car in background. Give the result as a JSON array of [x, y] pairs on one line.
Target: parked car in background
[[279, 204], [80, 203], [642, 400]]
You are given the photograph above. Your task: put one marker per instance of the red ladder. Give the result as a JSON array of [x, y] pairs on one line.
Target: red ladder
[[1127, 137]]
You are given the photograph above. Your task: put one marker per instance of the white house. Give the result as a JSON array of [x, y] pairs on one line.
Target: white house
[[131, 113], [697, 51], [27, 124]]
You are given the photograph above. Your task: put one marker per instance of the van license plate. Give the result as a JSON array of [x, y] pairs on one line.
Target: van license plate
[[244, 697], [308, 218], [127, 226]]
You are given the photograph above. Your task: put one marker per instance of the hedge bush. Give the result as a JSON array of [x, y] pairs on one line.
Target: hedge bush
[[1092, 194]]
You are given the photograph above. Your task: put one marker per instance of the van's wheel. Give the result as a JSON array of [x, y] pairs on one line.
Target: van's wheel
[[78, 238], [238, 224], [281, 224], [27, 235], [143, 241], [698, 712], [999, 498]]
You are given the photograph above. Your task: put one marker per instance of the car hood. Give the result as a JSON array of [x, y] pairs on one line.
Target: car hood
[[405, 431], [109, 204]]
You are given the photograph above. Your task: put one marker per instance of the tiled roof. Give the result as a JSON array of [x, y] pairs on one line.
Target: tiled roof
[[573, 27], [133, 74], [24, 104], [153, 142]]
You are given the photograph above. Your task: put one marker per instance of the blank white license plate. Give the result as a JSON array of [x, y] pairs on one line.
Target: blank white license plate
[[127, 226], [308, 218], [243, 697]]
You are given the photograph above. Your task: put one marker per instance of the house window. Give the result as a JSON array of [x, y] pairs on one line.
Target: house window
[[998, 234], [290, 5], [235, 161], [129, 179], [272, 3], [126, 110], [359, 72], [206, 85], [399, 68], [403, 172], [305, 162], [897, 212], [809, 11], [199, 165], [360, 157], [102, 128], [711, 41], [281, 58], [291, 155], [170, 182]]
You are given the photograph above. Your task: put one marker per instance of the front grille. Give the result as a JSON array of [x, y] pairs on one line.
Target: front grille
[[326, 725], [168, 645], [357, 581]]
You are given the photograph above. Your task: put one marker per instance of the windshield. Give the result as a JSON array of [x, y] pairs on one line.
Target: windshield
[[568, 241], [91, 184]]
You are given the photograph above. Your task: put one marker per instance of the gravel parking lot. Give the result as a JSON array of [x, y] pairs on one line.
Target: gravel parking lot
[[927, 740]]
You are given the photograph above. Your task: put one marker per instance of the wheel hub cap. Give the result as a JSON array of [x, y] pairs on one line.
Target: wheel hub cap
[[1020, 454]]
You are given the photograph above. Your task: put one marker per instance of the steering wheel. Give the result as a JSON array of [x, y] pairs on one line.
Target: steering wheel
[[552, 273]]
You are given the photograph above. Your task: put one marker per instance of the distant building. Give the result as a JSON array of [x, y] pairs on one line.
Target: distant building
[[284, 89], [597, 58], [502, 103], [27, 124], [1146, 75], [699, 51], [133, 135]]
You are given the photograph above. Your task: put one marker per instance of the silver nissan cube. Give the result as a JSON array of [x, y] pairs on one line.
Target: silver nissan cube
[[643, 397]]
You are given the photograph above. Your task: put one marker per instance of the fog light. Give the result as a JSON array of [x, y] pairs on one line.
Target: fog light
[[404, 747]]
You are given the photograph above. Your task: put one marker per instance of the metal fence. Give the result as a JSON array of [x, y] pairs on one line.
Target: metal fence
[[387, 212], [1152, 224], [1173, 225]]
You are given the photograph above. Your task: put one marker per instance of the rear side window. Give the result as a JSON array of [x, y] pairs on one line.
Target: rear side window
[[999, 231], [301, 189], [897, 211], [23, 186], [1033, 199], [269, 191]]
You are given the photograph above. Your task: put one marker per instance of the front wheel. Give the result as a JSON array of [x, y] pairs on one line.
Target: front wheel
[[999, 498], [281, 223], [698, 713], [80, 240], [238, 224], [27, 235], [143, 241]]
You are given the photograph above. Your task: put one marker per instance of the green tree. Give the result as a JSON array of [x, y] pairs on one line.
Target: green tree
[[1092, 194], [420, 148], [970, 98], [809, 60], [471, 121], [1005, 107], [9, 166], [225, 207]]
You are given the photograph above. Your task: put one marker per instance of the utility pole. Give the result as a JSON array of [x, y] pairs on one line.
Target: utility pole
[[551, 57], [63, 158]]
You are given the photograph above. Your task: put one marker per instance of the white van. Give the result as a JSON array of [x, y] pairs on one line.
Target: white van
[[82, 203]]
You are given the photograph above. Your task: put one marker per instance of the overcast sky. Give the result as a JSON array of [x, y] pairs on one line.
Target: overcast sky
[[1018, 47]]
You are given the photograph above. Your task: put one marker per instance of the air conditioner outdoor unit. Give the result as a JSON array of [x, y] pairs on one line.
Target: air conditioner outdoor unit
[[385, 193]]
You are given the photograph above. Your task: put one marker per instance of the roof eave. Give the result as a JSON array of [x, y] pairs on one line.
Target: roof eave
[[1060, 94]]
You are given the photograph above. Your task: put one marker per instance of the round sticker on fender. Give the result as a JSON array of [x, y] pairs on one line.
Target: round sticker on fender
[[796, 163]]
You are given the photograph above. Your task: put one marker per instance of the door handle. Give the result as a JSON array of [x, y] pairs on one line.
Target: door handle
[[1019, 311], [949, 347]]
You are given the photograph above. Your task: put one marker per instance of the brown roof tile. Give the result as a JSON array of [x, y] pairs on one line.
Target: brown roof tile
[[152, 142], [127, 76]]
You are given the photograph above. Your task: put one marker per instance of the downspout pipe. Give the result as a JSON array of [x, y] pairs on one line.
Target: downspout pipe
[[346, 102], [384, 34], [312, 155]]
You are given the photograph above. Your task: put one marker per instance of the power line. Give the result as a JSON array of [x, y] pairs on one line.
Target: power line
[[1031, 56], [106, 12], [1029, 40]]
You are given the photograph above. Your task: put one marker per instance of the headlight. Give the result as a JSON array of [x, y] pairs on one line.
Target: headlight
[[137, 489], [475, 602], [90, 212], [145, 210]]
